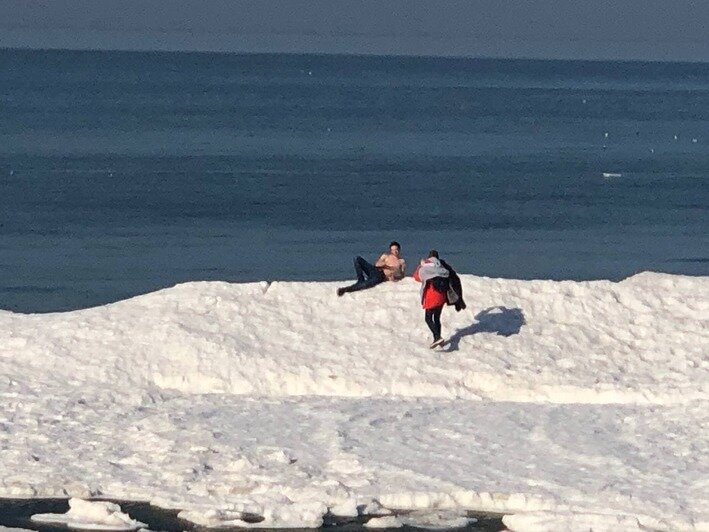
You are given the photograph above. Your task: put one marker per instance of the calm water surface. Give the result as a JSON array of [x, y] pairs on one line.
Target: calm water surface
[[122, 173]]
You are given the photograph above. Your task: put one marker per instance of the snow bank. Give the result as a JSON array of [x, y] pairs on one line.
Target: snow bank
[[643, 340], [272, 405]]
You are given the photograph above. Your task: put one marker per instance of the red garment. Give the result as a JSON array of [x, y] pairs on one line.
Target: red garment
[[432, 298]]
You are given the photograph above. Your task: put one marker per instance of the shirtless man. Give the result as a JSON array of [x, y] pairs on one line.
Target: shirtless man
[[389, 267]]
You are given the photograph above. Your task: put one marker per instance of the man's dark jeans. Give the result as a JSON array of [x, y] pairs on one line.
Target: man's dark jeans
[[368, 276]]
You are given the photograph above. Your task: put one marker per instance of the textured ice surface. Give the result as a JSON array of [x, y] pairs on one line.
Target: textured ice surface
[[569, 403]]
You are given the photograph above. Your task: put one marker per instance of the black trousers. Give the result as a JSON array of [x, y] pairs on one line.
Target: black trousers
[[368, 276], [433, 320]]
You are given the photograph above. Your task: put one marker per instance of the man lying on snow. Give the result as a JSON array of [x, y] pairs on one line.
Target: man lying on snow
[[389, 267], [440, 285]]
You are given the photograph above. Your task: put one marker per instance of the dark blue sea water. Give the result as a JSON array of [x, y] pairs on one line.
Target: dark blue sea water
[[121, 173]]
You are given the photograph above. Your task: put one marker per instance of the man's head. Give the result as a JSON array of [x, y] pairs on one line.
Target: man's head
[[433, 253], [395, 248]]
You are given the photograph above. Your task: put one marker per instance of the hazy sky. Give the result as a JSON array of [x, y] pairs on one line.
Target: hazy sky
[[593, 29]]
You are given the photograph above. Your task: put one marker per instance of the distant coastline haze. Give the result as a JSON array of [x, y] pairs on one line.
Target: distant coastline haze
[[649, 30]]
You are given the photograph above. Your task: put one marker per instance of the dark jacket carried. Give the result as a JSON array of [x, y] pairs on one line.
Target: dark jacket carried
[[455, 289]]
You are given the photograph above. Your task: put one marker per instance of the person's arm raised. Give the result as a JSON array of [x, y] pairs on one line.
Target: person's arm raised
[[381, 263]]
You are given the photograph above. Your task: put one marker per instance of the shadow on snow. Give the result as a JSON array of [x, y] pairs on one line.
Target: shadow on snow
[[499, 320]]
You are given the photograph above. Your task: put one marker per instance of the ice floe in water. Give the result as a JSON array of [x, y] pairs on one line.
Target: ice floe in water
[[554, 521], [91, 515], [389, 521], [265, 405]]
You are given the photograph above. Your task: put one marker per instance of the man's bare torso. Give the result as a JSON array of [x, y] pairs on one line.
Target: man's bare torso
[[393, 267]]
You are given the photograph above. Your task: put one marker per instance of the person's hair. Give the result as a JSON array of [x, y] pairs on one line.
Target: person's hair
[[395, 243], [433, 253]]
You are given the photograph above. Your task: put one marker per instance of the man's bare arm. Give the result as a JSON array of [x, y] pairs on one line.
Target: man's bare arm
[[381, 263]]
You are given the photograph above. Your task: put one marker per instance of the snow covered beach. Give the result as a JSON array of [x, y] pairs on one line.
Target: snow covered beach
[[561, 404]]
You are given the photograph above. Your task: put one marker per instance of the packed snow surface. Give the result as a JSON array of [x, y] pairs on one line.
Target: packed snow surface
[[560, 404]]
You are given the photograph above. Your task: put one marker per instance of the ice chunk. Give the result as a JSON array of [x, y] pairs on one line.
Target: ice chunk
[[389, 521], [92, 515]]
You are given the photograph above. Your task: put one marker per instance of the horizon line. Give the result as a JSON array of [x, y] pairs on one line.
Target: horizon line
[[81, 49]]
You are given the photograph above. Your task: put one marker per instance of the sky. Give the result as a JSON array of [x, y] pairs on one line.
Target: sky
[[660, 30]]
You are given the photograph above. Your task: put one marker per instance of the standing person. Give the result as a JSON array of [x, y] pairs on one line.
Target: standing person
[[389, 267], [434, 289]]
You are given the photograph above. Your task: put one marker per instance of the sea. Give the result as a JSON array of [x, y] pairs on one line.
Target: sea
[[122, 173]]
